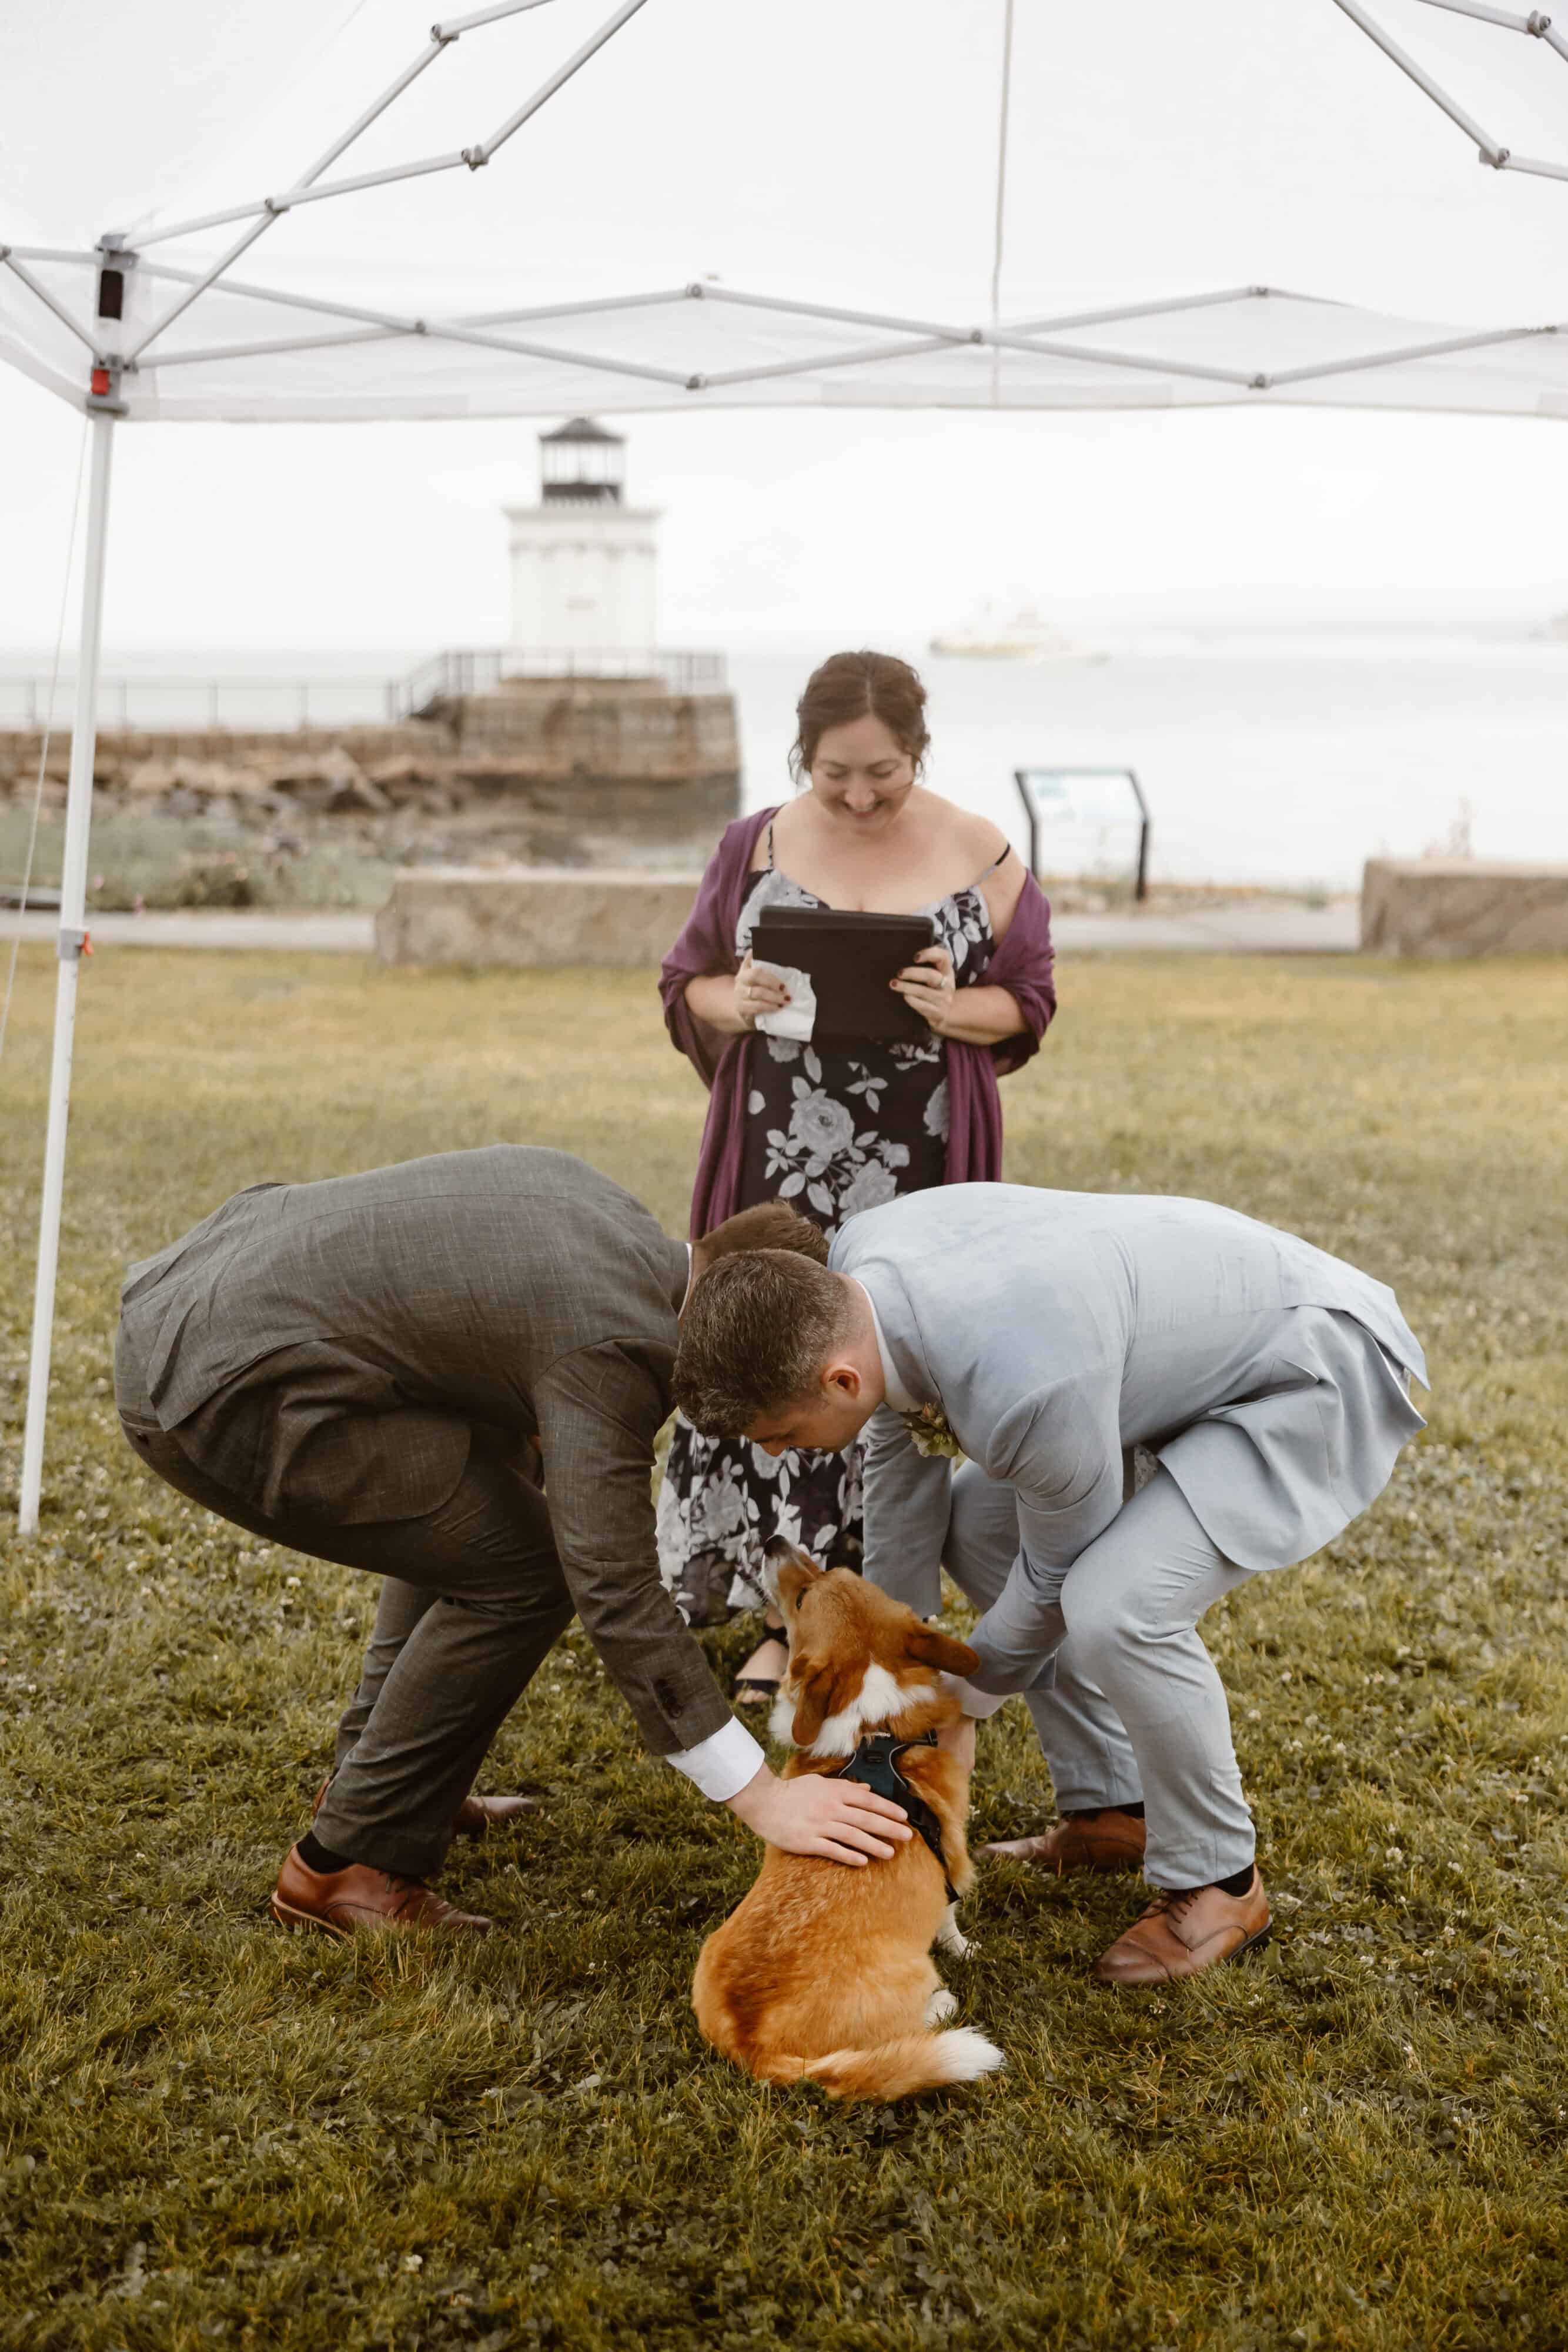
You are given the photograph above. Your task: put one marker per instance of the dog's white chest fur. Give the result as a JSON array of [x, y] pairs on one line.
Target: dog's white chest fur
[[881, 1697]]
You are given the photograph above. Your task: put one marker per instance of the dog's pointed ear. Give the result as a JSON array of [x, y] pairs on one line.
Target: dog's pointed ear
[[821, 1688], [934, 1648]]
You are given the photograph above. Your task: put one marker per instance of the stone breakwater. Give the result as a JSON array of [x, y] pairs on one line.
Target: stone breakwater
[[561, 775]]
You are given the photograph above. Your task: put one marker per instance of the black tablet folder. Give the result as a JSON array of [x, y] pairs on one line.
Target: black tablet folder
[[851, 958]]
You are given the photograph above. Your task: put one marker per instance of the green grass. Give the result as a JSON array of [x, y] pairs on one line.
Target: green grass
[[211, 2134]]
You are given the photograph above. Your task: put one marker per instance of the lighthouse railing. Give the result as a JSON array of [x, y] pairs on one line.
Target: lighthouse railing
[[460, 672]]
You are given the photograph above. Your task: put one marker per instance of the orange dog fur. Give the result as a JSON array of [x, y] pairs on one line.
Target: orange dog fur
[[823, 1973]]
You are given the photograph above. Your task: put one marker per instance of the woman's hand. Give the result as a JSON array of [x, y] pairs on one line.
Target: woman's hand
[[756, 992], [818, 1813], [730, 1004], [929, 986]]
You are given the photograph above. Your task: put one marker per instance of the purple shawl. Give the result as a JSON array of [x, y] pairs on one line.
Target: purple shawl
[[1022, 964]]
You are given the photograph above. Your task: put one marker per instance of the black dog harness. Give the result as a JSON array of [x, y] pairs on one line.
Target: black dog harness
[[875, 1764]]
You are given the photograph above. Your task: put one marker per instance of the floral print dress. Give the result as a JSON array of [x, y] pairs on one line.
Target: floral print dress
[[833, 1129]]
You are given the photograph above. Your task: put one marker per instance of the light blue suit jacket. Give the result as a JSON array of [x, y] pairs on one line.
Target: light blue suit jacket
[[1057, 1329]]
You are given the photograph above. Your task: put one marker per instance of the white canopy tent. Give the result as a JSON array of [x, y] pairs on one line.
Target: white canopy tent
[[913, 202]]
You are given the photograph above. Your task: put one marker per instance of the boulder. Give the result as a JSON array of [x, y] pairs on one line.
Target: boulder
[[150, 777], [249, 780], [403, 779], [357, 793], [336, 766]]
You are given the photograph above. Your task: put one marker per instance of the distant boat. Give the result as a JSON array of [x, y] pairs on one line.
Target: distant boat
[[1018, 635]]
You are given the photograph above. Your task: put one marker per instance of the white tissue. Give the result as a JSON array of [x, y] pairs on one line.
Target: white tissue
[[798, 1018]]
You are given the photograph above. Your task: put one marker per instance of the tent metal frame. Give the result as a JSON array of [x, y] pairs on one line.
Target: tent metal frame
[[1537, 26], [71, 943], [1036, 338]]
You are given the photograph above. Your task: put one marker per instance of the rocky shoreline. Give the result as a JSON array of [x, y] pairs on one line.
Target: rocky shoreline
[[325, 817]]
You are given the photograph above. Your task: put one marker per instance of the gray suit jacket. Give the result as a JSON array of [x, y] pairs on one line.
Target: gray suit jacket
[[322, 1351], [1056, 1330]]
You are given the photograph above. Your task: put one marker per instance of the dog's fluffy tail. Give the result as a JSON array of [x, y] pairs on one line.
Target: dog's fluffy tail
[[897, 2070]]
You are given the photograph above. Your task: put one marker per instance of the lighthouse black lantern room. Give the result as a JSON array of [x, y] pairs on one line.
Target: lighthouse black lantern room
[[582, 465]]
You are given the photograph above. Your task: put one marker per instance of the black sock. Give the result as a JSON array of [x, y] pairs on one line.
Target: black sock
[[1237, 1882], [1091, 1813], [319, 1857]]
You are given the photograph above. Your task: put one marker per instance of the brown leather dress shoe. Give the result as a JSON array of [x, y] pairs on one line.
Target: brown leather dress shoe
[[346, 1902], [1106, 1841], [474, 1816], [1182, 1934]]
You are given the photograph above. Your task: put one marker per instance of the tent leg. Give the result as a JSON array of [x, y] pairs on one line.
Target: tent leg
[[72, 933]]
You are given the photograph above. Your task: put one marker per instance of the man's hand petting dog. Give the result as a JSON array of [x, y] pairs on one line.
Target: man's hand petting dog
[[839, 1820]]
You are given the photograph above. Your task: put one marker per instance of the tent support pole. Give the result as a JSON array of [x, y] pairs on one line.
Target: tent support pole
[[72, 937]]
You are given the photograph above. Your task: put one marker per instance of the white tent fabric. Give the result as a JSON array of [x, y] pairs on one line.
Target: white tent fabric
[[322, 209]]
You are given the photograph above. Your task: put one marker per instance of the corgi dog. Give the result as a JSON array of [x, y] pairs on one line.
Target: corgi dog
[[823, 1973]]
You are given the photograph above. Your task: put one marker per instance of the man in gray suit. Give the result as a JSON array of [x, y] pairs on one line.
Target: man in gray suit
[[369, 1370], [1043, 1336]]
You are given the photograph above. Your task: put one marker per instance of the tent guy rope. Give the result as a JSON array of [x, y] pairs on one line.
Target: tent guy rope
[[45, 741], [1005, 110]]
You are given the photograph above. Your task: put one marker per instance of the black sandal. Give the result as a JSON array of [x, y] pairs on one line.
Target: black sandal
[[766, 1685]]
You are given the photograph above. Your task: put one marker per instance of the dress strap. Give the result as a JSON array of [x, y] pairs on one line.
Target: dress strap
[[770, 844], [1007, 853]]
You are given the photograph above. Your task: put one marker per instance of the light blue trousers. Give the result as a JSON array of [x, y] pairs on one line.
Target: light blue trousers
[[1137, 1708]]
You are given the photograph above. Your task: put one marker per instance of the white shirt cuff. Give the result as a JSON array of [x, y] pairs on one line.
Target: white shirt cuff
[[721, 1766], [981, 1705]]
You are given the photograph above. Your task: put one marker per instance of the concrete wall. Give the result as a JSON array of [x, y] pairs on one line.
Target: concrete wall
[[527, 916], [603, 731], [1462, 907]]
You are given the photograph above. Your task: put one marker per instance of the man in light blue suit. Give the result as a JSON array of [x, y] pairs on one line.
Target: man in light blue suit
[[1042, 1337]]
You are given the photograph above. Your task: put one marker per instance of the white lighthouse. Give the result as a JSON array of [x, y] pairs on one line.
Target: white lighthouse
[[584, 563]]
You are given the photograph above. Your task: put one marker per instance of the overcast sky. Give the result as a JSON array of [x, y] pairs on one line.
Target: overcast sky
[[847, 145]]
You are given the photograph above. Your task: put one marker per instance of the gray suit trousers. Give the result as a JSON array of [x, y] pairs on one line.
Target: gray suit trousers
[[1084, 1740], [1137, 1708], [474, 1600]]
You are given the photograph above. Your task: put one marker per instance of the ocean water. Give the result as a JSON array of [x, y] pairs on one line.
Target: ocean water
[[1263, 757], [1286, 760]]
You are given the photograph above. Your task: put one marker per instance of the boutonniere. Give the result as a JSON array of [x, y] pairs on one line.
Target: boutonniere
[[932, 1437]]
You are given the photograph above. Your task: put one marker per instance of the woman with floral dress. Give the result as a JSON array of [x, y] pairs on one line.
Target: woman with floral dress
[[836, 1127]]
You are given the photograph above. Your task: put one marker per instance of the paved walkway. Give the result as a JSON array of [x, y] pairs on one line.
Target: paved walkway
[[1250, 926], [348, 934]]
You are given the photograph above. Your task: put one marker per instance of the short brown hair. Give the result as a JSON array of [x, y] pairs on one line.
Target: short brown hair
[[758, 1330], [848, 686]]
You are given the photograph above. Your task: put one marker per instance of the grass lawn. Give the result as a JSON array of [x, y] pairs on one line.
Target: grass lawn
[[214, 2134]]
